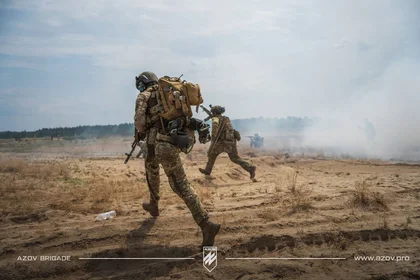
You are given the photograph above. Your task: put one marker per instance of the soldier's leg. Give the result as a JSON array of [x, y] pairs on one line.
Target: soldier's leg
[[211, 160], [168, 156], [234, 157], [153, 181]]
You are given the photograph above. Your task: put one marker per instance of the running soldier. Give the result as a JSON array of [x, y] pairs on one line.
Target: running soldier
[[224, 139], [165, 139]]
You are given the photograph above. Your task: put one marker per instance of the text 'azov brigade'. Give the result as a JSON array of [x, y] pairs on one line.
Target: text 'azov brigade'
[[44, 258]]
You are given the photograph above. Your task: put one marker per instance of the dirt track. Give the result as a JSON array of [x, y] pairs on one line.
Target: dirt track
[[50, 206]]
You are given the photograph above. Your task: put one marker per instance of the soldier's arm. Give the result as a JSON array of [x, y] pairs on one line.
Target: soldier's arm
[[140, 111]]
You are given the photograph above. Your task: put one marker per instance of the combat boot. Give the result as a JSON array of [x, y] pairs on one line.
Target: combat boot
[[210, 230], [252, 172], [151, 207], [204, 171]]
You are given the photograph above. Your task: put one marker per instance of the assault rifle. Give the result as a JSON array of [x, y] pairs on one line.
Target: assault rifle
[[208, 112], [133, 147], [137, 137]]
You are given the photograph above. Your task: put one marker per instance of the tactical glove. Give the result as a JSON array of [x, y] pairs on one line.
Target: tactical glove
[[139, 136]]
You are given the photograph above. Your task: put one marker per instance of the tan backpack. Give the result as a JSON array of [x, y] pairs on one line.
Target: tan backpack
[[177, 96]]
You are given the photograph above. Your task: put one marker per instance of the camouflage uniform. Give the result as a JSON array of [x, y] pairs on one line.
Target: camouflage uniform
[[160, 150], [227, 144]]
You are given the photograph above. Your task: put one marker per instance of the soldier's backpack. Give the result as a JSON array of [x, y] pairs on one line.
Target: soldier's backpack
[[177, 96]]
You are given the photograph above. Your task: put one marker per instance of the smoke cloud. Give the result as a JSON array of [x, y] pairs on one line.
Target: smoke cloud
[[382, 122]]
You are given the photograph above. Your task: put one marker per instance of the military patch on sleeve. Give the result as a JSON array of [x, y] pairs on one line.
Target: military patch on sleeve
[[215, 120]]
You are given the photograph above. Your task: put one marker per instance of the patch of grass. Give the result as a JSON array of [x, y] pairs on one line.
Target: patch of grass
[[269, 214], [35, 170], [385, 224], [298, 196], [76, 181], [12, 166], [300, 232], [276, 195], [28, 187], [300, 199], [380, 200], [409, 220], [364, 197], [291, 179]]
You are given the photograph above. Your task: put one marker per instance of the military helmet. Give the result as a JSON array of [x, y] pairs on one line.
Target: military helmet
[[217, 110], [146, 79]]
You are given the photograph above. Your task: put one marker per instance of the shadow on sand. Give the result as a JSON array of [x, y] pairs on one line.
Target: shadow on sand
[[136, 246]]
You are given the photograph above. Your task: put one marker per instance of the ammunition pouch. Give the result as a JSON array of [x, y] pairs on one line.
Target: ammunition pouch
[[178, 134], [163, 138], [155, 110], [175, 124], [181, 140]]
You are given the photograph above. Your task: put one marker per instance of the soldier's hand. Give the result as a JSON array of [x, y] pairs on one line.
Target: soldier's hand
[[203, 138], [141, 136]]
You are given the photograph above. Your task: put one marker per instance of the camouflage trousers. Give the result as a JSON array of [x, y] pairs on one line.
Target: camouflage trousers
[[167, 155], [232, 151]]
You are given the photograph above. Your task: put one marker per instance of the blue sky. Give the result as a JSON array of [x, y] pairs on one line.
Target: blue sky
[[67, 63]]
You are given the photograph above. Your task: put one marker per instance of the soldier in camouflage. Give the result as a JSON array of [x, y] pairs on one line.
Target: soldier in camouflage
[[161, 150], [226, 142]]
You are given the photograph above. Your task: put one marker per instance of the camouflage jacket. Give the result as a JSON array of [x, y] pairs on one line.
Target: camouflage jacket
[[227, 135], [144, 119]]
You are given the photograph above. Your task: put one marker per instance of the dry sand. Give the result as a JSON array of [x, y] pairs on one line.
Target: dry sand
[[300, 207]]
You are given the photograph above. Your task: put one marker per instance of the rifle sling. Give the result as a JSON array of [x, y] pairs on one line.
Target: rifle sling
[[219, 132]]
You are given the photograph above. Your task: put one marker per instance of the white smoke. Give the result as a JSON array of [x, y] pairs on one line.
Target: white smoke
[[391, 103]]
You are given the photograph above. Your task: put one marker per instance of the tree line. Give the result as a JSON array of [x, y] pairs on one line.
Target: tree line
[[258, 125]]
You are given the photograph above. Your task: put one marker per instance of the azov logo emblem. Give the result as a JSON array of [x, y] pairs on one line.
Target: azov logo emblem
[[210, 258]]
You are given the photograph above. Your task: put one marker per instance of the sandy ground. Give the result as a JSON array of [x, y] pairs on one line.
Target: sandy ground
[[300, 207]]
